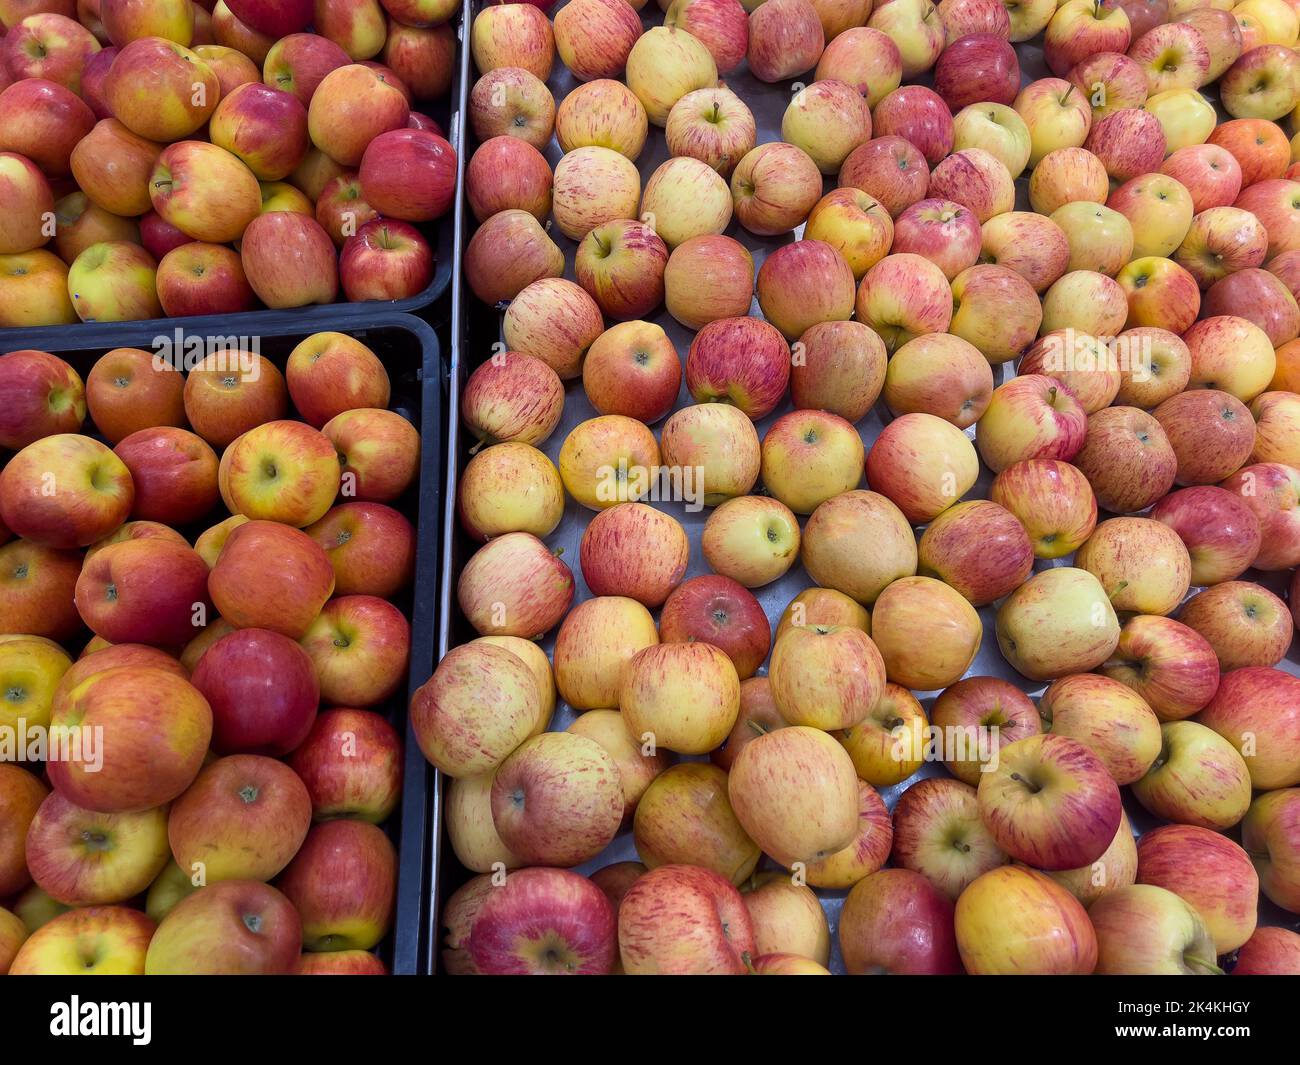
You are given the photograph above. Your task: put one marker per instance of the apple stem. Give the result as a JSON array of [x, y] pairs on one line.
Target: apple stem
[[757, 727], [1066, 96], [1214, 969], [1118, 588]]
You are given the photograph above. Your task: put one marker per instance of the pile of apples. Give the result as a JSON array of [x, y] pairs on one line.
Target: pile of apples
[[224, 726], [176, 157], [1121, 361]]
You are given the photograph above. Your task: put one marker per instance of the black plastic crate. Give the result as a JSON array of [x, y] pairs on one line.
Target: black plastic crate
[[412, 355]]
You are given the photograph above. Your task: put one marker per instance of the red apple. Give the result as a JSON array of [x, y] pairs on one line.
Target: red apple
[[681, 920], [409, 174], [371, 548], [720, 611], [271, 576], [234, 927], [144, 591], [44, 396]]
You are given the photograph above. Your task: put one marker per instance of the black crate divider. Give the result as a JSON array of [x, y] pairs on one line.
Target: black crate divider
[[406, 948]]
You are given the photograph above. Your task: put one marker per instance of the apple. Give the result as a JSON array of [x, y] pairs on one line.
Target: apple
[[83, 858], [889, 168], [1082, 363], [1100, 240], [758, 715], [143, 591], [64, 491], [112, 166], [183, 90], [1273, 203], [979, 549], [810, 456], [866, 59], [785, 41], [787, 918], [594, 37], [713, 125], [597, 638], [1261, 83], [804, 284], [609, 460], [224, 396], [708, 278], [79, 224], [1270, 836], [752, 539], [1222, 36], [841, 369], [43, 121], [831, 560], [1221, 532], [1145, 929], [518, 35], [343, 883], [826, 677], [684, 814], [410, 174], [666, 63], [233, 927], [918, 115], [1270, 951], [681, 920], [1127, 459], [896, 921], [1157, 584], [685, 198], [1208, 871], [603, 114], [1108, 718], [904, 296], [1174, 55], [774, 188], [962, 17], [1129, 142], [1275, 416], [1231, 354], [828, 120], [1198, 779], [243, 818], [634, 550], [21, 795], [579, 923], [557, 799], [1221, 241], [942, 231], [48, 46], [1033, 246], [36, 590], [1160, 294], [479, 683], [1060, 621], [1263, 300], [1057, 114], [916, 28], [996, 129], [385, 260], [716, 610], [975, 68], [1081, 28], [938, 834], [803, 816], [351, 765], [1169, 664], [887, 745], [198, 278], [1209, 173], [554, 320], [505, 173], [1110, 81], [497, 606], [1272, 491], [511, 101], [722, 25], [658, 678], [1255, 710], [577, 211], [286, 598], [360, 646], [473, 836], [1246, 624], [638, 764], [1030, 417], [47, 398], [1039, 779], [1017, 920], [108, 940]]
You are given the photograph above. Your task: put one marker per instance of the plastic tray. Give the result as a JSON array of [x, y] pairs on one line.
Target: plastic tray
[[412, 354], [476, 327], [341, 315]]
